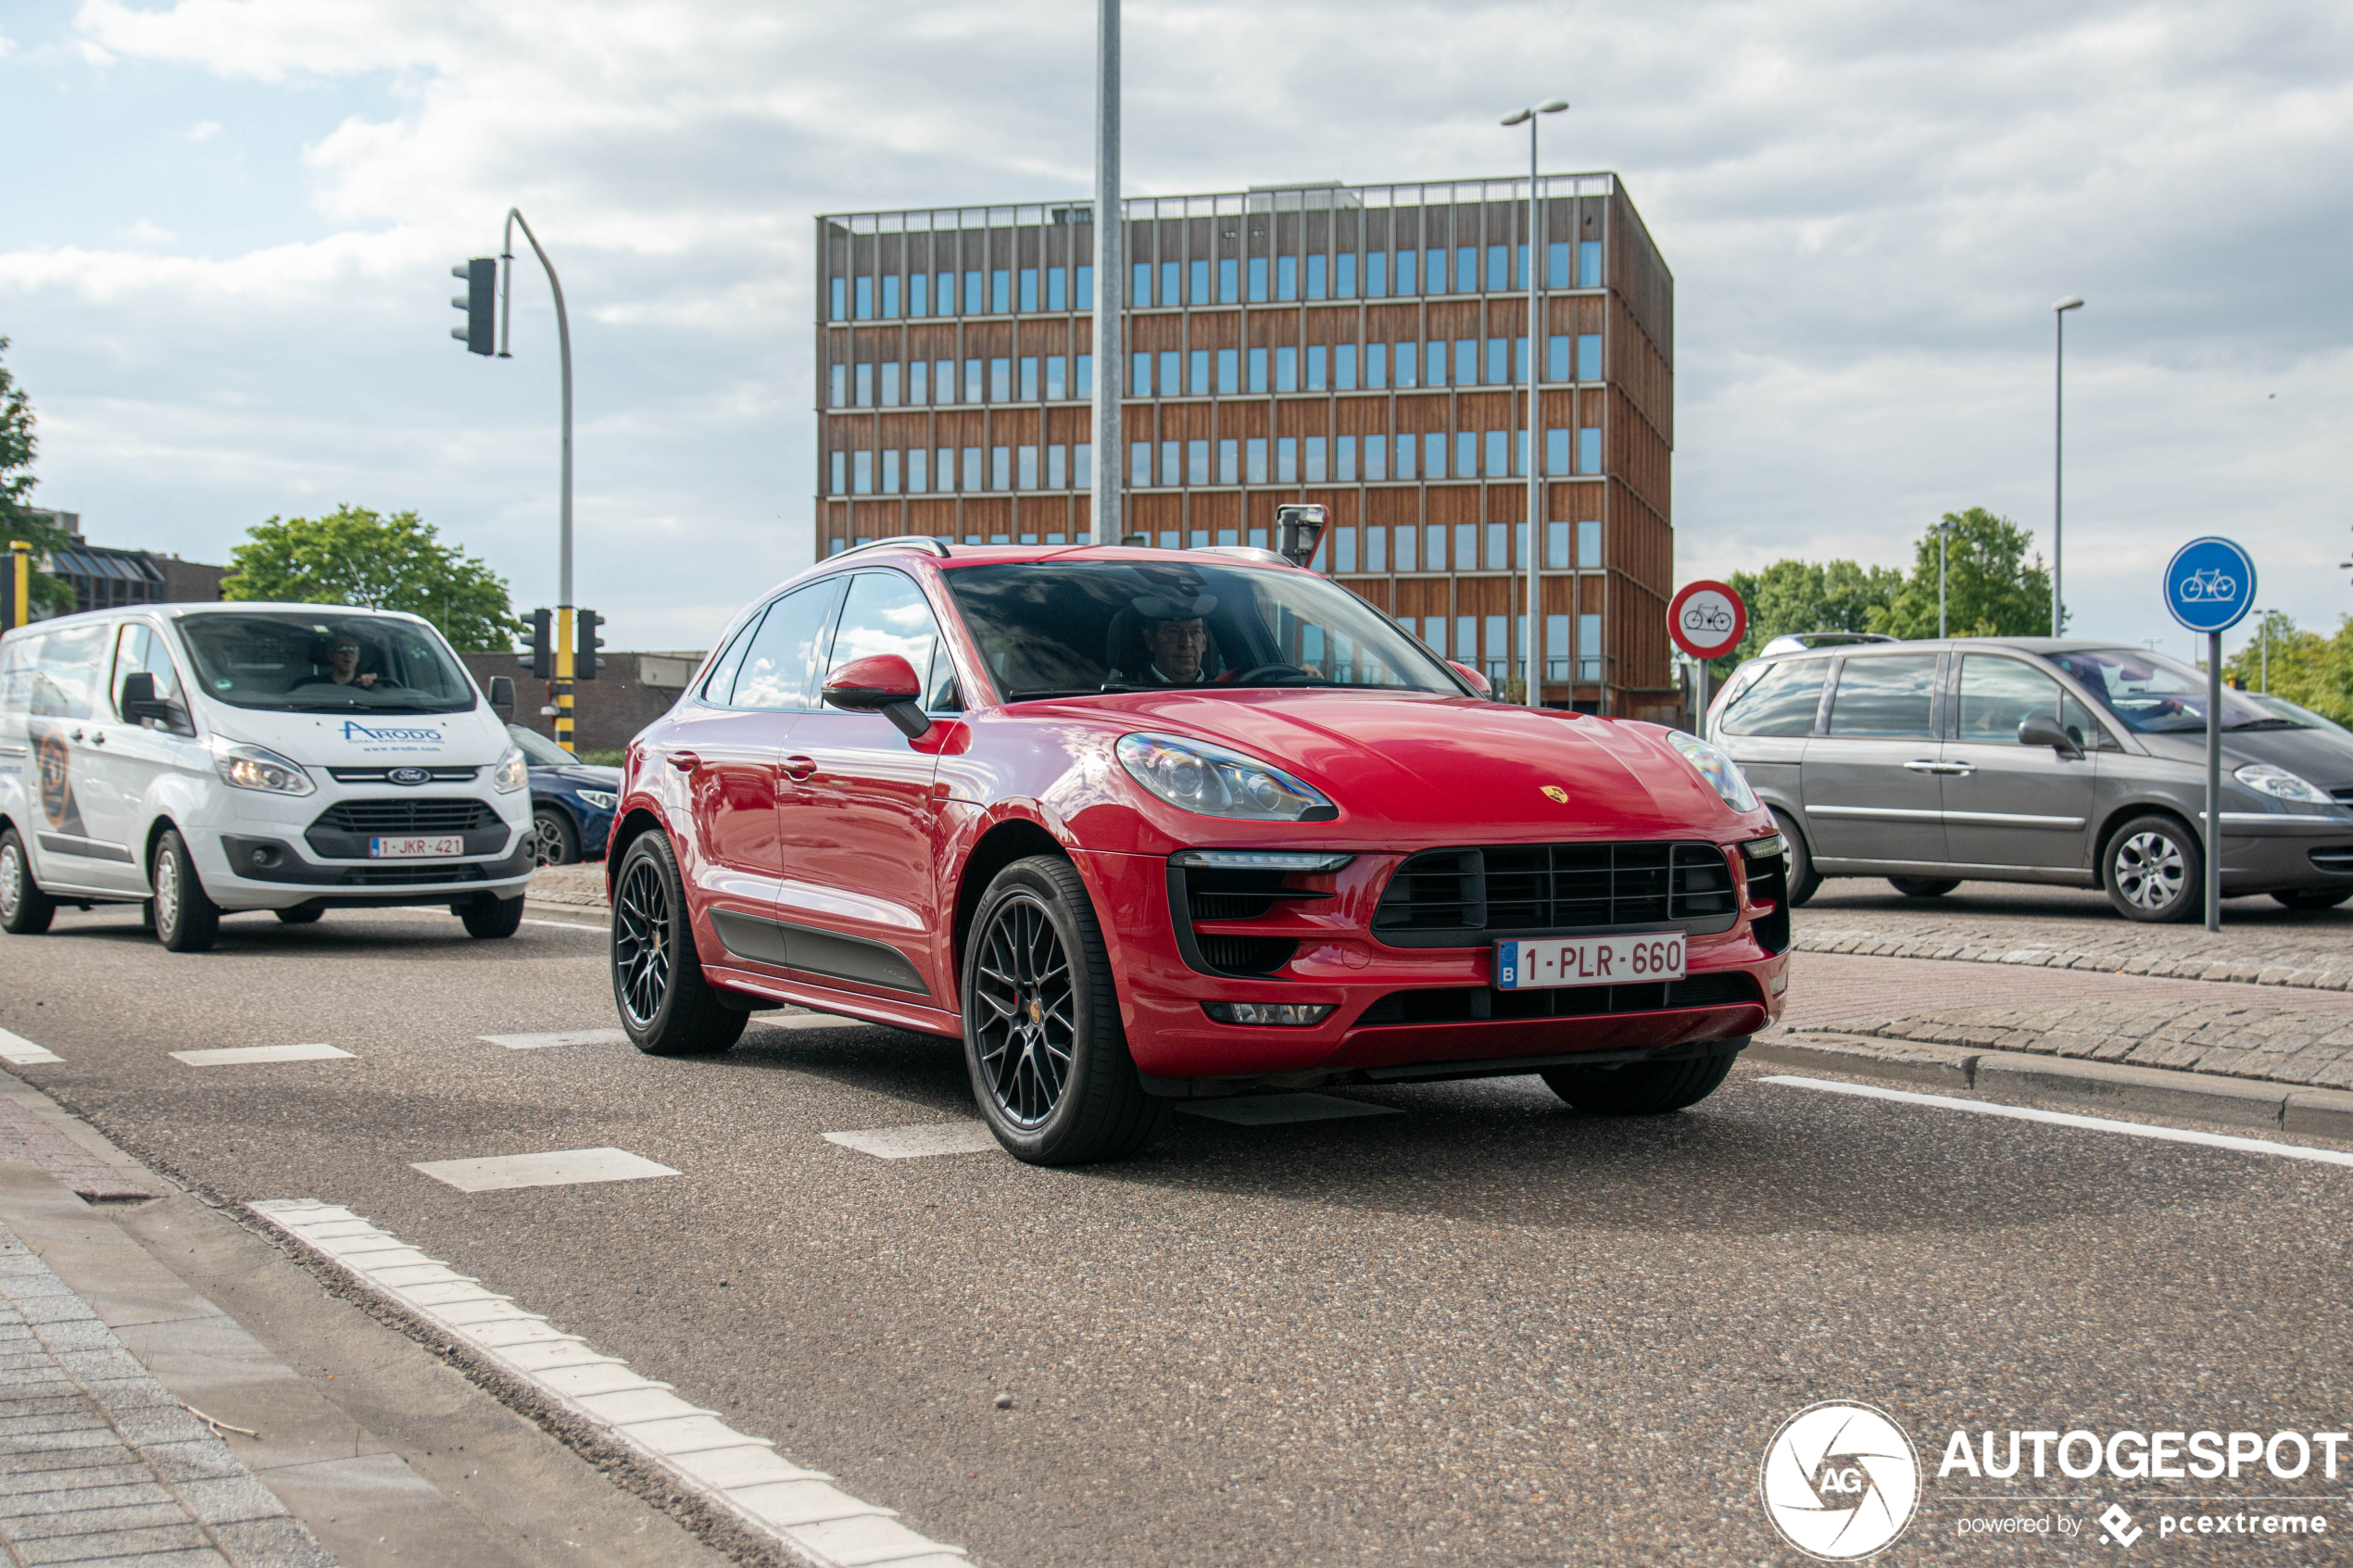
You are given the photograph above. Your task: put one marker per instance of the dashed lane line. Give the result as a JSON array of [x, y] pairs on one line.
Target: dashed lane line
[[559, 1037], [815, 1522], [914, 1143], [1267, 1111], [18, 1051], [561, 1167], [2069, 1119], [229, 1054]]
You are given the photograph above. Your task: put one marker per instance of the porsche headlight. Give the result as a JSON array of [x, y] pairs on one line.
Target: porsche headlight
[[257, 767], [1721, 773], [511, 774], [1196, 776], [2281, 785]]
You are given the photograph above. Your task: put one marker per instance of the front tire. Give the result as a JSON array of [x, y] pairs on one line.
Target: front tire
[[1042, 1039], [25, 910], [1803, 882], [557, 841], [301, 914], [667, 1008], [2312, 897], [186, 920], [1650, 1088], [2154, 871], [491, 919], [1924, 886]]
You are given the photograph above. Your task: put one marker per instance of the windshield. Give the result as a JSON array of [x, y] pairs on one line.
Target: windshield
[[2151, 694], [538, 750], [1067, 628], [326, 661]]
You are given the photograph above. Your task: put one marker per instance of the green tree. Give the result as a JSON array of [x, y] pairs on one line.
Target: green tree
[[18, 447], [354, 556], [1992, 589], [2306, 667], [1803, 595]]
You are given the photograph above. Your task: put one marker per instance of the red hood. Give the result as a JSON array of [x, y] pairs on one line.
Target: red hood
[[1455, 764]]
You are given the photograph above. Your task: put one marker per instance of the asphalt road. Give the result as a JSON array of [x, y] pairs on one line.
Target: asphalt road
[[1487, 1331]]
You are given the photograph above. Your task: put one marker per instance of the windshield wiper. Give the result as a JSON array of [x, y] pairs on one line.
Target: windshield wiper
[[2266, 724]]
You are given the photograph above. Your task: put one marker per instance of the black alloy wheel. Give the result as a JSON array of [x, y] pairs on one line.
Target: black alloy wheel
[[554, 838], [667, 1008], [1642, 1088], [187, 921], [2154, 871], [1042, 1040], [1803, 883], [25, 910]]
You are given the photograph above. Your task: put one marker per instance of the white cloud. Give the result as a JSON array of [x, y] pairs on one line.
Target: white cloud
[[146, 233], [203, 131]]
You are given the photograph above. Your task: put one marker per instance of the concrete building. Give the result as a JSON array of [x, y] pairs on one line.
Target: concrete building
[[1365, 346]]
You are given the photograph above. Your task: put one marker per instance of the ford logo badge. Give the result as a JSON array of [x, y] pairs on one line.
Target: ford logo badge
[[410, 776]]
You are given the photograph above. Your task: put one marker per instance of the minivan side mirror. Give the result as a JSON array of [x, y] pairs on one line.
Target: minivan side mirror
[[1480, 682], [140, 705], [502, 696], [2040, 730], [883, 683]]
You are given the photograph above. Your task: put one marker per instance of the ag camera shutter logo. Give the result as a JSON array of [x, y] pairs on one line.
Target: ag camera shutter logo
[[1841, 1480]]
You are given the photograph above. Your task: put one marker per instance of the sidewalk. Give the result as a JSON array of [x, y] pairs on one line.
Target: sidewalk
[[2300, 957]]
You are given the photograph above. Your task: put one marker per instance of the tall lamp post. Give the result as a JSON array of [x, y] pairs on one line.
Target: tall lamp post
[[1111, 280], [2058, 457], [1531, 667], [1944, 531], [2263, 628]]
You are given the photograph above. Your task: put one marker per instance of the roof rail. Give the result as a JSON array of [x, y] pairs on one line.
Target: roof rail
[[926, 540]]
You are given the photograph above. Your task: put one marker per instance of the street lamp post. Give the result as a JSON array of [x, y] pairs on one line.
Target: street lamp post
[[1111, 280], [1531, 667], [564, 651], [2058, 457], [2263, 626], [1943, 535]]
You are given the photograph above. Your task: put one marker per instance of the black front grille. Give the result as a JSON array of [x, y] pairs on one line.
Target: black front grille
[[383, 775], [1245, 955], [2338, 858], [411, 876], [1231, 895], [2345, 794], [1769, 884], [423, 814], [1463, 897], [1479, 1004]]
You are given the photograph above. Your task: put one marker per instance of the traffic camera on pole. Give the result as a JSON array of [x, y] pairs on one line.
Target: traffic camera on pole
[[585, 644], [480, 302]]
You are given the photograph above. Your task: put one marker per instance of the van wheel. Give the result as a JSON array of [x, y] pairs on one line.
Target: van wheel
[[2154, 871], [667, 1008], [1924, 886], [1642, 1088], [186, 920], [492, 918], [1803, 883], [25, 910], [2313, 897]]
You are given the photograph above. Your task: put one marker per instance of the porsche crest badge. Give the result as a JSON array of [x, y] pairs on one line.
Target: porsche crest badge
[[1558, 796]]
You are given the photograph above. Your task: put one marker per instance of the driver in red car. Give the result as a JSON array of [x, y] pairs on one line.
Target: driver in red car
[[1177, 638]]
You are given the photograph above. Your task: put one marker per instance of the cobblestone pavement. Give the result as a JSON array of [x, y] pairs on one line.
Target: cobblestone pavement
[[100, 1465], [583, 884]]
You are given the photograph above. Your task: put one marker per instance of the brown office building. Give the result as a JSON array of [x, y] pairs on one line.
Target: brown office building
[[1364, 347]]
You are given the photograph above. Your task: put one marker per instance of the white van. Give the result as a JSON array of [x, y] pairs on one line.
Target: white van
[[208, 759]]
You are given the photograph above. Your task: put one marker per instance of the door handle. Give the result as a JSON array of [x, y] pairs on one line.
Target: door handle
[[98, 737], [77, 735], [1923, 765], [684, 761], [799, 769]]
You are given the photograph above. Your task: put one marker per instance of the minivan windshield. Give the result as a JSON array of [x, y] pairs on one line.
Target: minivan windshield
[[2153, 694], [324, 661], [1068, 628]]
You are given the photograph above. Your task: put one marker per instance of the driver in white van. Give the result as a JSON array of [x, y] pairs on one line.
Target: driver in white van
[[343, 667]]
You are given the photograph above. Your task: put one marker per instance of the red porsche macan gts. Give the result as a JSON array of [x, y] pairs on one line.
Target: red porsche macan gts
[[1143, 824]]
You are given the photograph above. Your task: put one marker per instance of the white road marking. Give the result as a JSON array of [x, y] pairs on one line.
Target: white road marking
[[567, 925], [1265, 1111], [230, 1054], [911, 1142], [560, 1038], [816, 1521], [561, 1167], [21, 1052], [2068, 1119]]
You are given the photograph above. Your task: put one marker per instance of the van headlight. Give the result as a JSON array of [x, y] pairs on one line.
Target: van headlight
[[511, 774], [2281, 785], [243, 766], [1716, 767], [1193, 775]]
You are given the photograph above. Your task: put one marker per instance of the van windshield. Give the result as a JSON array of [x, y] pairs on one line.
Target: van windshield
[[2153, 694], [323, 662]]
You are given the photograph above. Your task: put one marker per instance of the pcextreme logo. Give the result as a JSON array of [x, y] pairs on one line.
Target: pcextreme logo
[[1841, 1480]]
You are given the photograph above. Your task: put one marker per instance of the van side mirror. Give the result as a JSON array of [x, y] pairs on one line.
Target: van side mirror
[[1480, 682], [883, 683], [2040, 730], [140, 705], [502, 696]]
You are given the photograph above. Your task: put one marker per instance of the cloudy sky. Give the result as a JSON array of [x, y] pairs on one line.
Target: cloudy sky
[[228, 224]]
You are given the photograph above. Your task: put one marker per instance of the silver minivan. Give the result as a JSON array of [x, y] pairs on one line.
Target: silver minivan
[[2034, 760]]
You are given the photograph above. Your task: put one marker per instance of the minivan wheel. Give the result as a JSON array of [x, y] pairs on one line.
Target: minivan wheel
[[25, 910], [1646, 1088], [1042, 1039], [1803, 883], [667, 1008], [1924, 886], [2154, 872], [186, 920], [2313, 897], [557, 841]]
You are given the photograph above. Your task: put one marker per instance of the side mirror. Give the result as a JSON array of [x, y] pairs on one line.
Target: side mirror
[[2039, 731], [1480, 682], [1299, 530], [883, 683], [140, 705], [502, 695]]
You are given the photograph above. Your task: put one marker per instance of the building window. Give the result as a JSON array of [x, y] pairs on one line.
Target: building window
[[890, 471], [1198, 382], [1344, 550], [1376, 456], [1000, 381], [1169, 386], [1498, 453], [836, 385], [835, 546], [1498, 278], [975, 295], [1465, 636], [1000, 468], [1257, 278], [1317, 355], [890, 297], [1588, 264], [1172, 463], [1286, 459], [1316, 459], [1057, 467], [837, 302], [1377, 549], [1139, 462], [1519, 452], [1376, 366], [1229, 370], [1555, 545], [865, 386], [1257, 369], [1230, 462], [1434, 272], [1082, 467], [1465, 269], [1057, 378], [1083, 282], [1497, 548], [1344, 455], [841, 485], [1316, 265], [865, 299], [890, 385], [1589, 357], [971, 468], [1029, 288], [944, 469], [862, 474], [1286, 276], [1140, 375], [1499, 651], [1169, 272], [1404, 273], [1257, 457], [917, 479], [1588, 544], [1434, 364], [972, 380], [1406, 352], [1589, 647], [918, 290], [1140, 284], [1085, 367], [1556, 265], [1027, 459], [1197, 462], [1196, 283], [1589, 449], [944, 294], [1057, 282], [1557, 358], [1434, 457], [1001, 291], [1405, 448], [1556, 451], [943, 380], [1465, 361], [1556, 648], [1499, 369], [1343, 367], [1286, 369], [1434, 542], [1377, 274], [1404, 548], [1229, 283]]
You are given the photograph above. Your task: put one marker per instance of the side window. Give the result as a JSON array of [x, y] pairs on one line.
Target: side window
[[1998, 694], [885, 613], [722, 674], [1891, 696], [139, 652], [69, 671], [2082, 728], [20, 659], [1780, 702], [941, 693], [780, 664]]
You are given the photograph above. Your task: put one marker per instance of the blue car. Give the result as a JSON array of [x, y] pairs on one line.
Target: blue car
[[571, 803]]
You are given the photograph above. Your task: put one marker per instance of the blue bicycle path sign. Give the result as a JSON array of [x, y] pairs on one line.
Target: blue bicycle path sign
[[2209, 583]]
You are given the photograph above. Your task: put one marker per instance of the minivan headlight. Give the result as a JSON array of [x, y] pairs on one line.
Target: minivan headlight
[[1196, 776], [2281, 785], [511, 774], [241, 766], [1718, 768], [602, 799]]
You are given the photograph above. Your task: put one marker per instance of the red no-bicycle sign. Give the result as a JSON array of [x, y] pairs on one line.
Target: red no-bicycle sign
[[1706, 620]]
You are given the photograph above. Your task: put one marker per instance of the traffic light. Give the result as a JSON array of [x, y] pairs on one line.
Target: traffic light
[[585, 644], [541, 657], [480, 302]]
